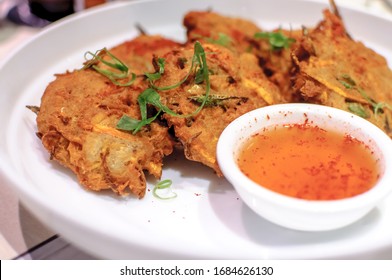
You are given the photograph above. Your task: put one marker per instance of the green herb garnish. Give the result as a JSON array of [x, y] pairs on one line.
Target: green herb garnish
[[277, 40], [381, 105], [129, 124], [357, 109], [165, 184], [117, 69], [222, 40], [198, 67], [349, 83], [215, 100], [160, 62], [152, 97]]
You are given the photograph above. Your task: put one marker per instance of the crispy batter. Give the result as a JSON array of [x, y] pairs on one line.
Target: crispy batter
[[137, 53], [77, 124], [277, 64], [207, 26], [80, 109], [237, 86], [335, 70]]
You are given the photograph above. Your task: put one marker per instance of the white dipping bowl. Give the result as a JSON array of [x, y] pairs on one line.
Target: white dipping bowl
[[295, 213]]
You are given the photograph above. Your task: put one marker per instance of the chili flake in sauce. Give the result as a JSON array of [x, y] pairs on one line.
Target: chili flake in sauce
[[307, 162]]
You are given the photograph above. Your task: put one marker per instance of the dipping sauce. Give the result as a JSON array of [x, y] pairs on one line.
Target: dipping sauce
[[307, 162]]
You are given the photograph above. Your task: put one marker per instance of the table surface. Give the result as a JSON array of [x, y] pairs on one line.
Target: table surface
[[22, 236]]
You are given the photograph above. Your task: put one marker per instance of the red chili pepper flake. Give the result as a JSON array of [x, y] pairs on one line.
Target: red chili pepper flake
[[311, 163]]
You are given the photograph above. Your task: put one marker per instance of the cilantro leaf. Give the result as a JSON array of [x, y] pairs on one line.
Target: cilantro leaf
[[277, 40]]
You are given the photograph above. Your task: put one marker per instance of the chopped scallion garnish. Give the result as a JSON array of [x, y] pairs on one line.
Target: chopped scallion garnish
[[162, 185], [222, 40], [117, 69], [156, 76], [152, 97], [349, 83], [216, 100], [277, 40], [357, 109]]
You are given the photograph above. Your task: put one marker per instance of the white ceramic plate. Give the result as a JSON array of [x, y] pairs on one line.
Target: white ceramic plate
[[207, 219]]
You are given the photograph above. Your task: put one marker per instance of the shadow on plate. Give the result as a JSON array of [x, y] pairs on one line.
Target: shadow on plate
[[264, 232]]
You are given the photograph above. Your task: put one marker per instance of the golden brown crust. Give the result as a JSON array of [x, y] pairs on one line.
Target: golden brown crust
[[80, 109], [236, 79], [205, 26], [335, 70], [138, 52], [77, 124]]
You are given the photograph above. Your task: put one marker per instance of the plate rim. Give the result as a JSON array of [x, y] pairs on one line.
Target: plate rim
[[29, 198]]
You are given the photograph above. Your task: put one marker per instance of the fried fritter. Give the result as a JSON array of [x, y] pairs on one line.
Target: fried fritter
[[210, 27], [241, 35], [237, 86], [277, 62], [335, 70], [77, 124], [137, 53], [79, 112]]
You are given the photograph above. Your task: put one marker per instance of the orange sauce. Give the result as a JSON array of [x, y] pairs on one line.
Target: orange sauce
[[307, 162]]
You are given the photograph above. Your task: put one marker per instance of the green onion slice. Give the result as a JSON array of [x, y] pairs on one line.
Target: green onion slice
[[117, 69], [152, 97], [164, 184]]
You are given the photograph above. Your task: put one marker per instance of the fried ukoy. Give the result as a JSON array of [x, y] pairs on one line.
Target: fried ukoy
[[237, 85], [231, 32], [334, 70], [77, 122], [276, 62], [138, 52], [242, 36]]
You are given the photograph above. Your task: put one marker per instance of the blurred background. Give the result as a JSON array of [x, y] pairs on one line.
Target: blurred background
[[21, 19], [39, 13]]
